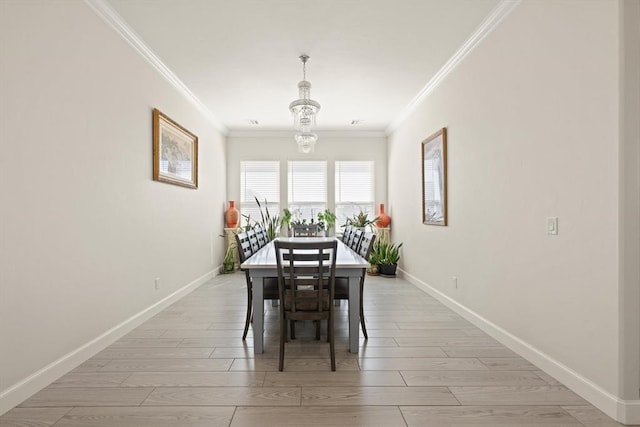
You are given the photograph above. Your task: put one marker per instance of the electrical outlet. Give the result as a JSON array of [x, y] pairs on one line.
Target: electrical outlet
[[454, 280], [552, 225], [157, 283]]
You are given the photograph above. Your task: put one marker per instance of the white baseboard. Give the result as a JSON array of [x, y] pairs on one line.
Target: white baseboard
[[624, 411], [24, 389]]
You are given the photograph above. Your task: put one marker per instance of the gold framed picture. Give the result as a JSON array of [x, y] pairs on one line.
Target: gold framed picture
[[175, 152], [434, 178]]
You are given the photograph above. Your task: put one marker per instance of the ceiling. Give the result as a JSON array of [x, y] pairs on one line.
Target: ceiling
[[368, 58]]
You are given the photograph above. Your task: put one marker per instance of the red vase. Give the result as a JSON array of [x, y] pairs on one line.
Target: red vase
[[232, 216], [383, 219]]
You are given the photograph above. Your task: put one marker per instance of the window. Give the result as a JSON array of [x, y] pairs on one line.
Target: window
[[354, 189], [307, 189], [259, 179]]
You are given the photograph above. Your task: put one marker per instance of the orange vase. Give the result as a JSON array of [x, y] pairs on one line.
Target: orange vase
[[232, 216], [383, 219]]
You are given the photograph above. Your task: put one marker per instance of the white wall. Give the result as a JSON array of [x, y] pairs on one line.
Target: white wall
[[331, 146], [85, 229], [533, 127], [629, 15]]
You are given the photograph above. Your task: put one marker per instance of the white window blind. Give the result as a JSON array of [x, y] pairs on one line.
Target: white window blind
[[259, 179], [355, 182], [307, 185]]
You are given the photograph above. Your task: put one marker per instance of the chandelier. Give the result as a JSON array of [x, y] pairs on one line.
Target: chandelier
[[304, 111]]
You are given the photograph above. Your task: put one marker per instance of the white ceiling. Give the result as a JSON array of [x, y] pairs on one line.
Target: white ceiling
[[369, 58]]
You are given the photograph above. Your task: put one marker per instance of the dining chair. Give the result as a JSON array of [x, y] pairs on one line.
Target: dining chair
[[342, 283], [270, 283], [306, 282], [265, 235], [305, 230], [346, 234], [261, 235], [354, 243], [253, 240]]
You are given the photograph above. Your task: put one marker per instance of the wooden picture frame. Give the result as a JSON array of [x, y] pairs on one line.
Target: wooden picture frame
[[175, 152], [434, 179]]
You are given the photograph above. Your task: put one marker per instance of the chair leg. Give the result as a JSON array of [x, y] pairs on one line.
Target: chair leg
[[318, 326], [293, 329], [249, 312], [364, 328], [332, 347], [283, 337]]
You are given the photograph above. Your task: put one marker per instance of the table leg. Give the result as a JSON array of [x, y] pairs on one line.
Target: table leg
[[258, 314], [354, 314]]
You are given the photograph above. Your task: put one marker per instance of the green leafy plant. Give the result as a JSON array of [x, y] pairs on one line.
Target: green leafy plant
[[385, 253], [228, 263], [326, 219], [270, 223], [360, 220], [287, 216], [249, 225], [376, 253]]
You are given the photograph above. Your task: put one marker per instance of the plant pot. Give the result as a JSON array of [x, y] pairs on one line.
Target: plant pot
[[388, 270], [373, 270], [228, 266]]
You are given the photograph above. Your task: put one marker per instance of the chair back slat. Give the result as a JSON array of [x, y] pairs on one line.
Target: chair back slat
[[244, 247]]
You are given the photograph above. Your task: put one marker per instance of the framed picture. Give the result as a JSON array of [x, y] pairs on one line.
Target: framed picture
[[434, 178], [175, 152]]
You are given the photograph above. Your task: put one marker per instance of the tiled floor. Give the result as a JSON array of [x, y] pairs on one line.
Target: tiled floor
[[423, 365]]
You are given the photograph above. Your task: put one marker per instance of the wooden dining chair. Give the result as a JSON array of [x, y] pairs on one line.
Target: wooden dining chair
[[354, 242], [270, 283], [346, 234], [305, 230], [342, 283], [253, 240], [261, 235], [306, 282]]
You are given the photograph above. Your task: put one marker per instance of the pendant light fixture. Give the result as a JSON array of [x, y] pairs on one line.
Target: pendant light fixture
[[304, 111]]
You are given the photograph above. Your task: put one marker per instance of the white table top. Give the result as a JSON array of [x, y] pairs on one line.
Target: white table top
[[266, 256]]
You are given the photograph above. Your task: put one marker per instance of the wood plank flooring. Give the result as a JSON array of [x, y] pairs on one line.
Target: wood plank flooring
[[423, 365]]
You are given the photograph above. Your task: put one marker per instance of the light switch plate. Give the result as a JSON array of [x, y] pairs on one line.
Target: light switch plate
[[552, 225]]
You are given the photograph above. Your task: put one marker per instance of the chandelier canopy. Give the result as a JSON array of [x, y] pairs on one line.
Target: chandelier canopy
[[304, 111]]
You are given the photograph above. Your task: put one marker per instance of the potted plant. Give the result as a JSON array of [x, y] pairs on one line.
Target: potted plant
[[326, 220], [268, 222], [389, 257], [287, 217], [360, 220], [229, 261], [374, 259]]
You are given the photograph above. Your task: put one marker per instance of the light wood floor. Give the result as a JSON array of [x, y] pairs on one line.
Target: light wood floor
[[423, 365]]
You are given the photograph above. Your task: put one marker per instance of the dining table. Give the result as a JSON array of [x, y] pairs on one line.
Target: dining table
[[263, 264]]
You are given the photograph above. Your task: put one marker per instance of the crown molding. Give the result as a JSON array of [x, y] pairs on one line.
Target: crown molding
[[492, 21], [104, 10], [321, 134]]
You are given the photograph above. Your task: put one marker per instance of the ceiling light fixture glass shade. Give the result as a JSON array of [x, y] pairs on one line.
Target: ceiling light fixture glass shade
[[304, 111], [306, 141]]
